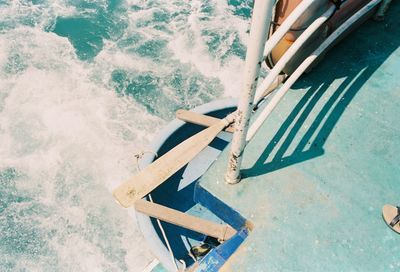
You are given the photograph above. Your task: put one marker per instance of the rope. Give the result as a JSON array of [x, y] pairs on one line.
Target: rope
[[138, 157], [183, 264], [165, 238]]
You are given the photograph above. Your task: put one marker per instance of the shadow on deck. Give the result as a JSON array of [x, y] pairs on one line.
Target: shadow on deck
[[355, 59]]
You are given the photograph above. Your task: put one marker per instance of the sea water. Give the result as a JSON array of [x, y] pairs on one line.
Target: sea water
[[85, 84]]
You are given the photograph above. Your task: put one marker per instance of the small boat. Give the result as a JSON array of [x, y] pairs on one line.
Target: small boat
[[293, 176]]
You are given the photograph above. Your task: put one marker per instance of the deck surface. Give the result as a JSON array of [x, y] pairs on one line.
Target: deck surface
[[321, 168]]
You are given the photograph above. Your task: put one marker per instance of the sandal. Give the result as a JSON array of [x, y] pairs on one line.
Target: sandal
[[391, 215]]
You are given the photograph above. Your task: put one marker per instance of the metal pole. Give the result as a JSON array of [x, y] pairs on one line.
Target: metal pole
[[261, 19]]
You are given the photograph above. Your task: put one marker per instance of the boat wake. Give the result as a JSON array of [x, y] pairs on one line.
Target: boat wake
[[83, 86]]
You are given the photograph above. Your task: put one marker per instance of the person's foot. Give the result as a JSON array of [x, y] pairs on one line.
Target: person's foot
[[391, 215]]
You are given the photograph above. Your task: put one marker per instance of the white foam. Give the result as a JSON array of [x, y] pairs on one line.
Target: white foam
[[184, 33], [40, 14], [72, 139], [189, 45]]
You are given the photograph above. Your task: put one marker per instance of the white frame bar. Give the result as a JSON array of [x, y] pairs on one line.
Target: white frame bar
[[305, 64], [293, 49], [289, 54], [276, 37]]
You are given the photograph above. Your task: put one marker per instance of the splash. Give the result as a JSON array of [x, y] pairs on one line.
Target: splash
[[83, 85]]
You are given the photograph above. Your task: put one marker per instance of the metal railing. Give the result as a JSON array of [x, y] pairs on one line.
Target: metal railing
[[250, 95]]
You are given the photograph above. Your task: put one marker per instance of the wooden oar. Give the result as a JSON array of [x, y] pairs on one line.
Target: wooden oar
[[157, 172], [160, 170], [200, 119], [187, 221]]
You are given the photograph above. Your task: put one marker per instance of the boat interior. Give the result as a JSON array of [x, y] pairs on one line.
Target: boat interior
[[315, 174]]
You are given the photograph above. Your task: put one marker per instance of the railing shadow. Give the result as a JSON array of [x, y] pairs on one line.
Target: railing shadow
[[367, 49]]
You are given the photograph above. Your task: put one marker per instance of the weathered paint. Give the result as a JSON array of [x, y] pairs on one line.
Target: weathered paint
[[214, 260]]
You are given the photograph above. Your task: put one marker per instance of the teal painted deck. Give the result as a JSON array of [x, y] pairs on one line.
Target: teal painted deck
[[321, 168]]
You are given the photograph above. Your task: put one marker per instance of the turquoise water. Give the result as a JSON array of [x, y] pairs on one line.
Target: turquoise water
[[83, 86]]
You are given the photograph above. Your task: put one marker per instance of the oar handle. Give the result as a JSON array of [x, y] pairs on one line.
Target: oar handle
[[230, 118]]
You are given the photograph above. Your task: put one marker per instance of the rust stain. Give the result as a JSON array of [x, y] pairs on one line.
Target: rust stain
[[233, 162], [131, 193], [249, 225]]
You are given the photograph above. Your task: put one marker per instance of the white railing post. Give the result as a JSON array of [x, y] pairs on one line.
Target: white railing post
[[261, 20]]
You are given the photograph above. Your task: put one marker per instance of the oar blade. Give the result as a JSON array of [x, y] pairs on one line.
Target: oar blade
[[160, 170]]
